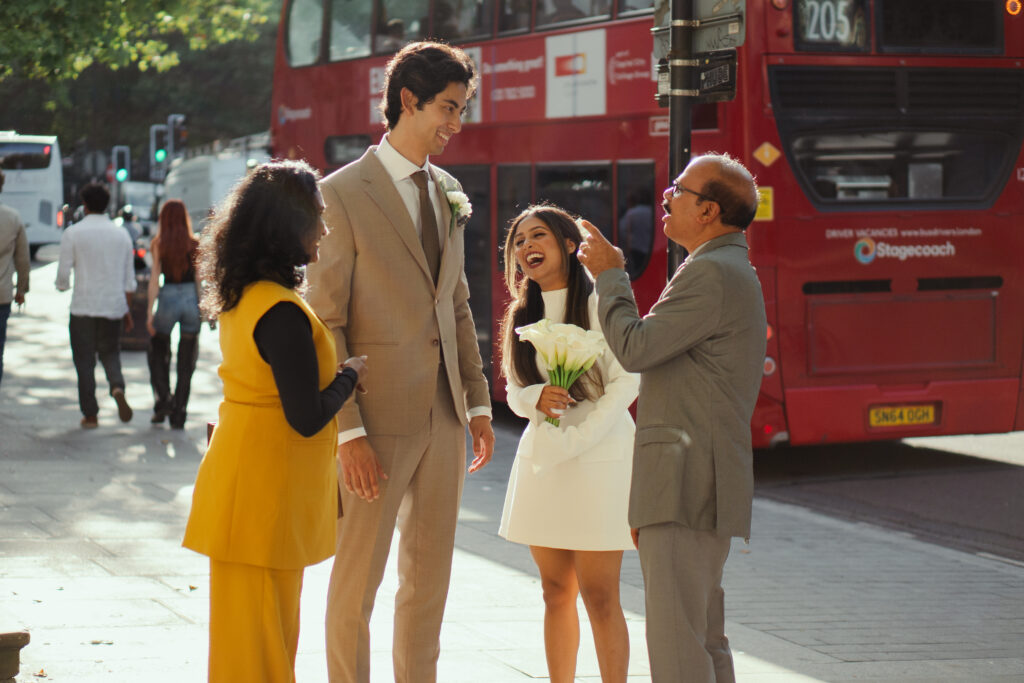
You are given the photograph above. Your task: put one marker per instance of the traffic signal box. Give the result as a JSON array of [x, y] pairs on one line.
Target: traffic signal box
[[122, 155]]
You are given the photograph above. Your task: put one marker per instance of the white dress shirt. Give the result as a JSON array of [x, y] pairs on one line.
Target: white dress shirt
[[401, 170], [101, 255]]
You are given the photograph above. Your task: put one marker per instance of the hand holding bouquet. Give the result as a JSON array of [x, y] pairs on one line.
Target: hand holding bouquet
[[566, 351]]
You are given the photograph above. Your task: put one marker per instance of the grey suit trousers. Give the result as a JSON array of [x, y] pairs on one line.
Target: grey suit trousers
[[685, 603]]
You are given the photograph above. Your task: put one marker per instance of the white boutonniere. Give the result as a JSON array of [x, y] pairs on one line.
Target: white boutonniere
[[458, 202]]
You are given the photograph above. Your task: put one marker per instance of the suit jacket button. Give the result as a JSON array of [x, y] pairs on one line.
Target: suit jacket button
[[435, 342]]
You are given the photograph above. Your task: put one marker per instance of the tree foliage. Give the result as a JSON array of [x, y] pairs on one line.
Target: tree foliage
[[56, 40]]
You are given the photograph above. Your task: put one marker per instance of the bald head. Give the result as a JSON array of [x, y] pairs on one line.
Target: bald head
[[732, 186]]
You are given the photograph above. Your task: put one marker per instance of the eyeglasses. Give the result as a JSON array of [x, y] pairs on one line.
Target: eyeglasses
[[678, 190]]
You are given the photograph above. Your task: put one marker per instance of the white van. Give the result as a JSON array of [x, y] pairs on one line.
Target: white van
[[202, 182], [34, 184]]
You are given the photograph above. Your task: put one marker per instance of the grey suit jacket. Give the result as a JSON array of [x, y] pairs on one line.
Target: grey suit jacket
[[700, 352], [373, 289]]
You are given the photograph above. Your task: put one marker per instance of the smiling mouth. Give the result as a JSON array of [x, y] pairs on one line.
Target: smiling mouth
[[444, 136], [534, 259]]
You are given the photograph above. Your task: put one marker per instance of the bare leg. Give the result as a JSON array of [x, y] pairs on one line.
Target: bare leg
[[561, 621], [598, 575]]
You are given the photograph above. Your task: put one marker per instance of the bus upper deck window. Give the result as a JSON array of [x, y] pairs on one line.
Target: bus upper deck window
[[551, 12], [350, 29], [631, 6], [514, 15], [460, 20], [305, 21], [399, 22]]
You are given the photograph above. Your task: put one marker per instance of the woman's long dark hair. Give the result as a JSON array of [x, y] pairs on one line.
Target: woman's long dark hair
[[175, 241], [527, 305], [262, 231]]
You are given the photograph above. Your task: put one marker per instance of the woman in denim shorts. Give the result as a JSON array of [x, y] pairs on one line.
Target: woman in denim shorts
[[174, 252]]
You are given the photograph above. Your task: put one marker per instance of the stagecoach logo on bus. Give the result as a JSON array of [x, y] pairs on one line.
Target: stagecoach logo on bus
[[867, 250], [284, 114]]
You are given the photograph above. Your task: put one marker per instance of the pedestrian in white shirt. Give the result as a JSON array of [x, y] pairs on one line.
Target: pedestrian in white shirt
[[14, 257], [100, 253]]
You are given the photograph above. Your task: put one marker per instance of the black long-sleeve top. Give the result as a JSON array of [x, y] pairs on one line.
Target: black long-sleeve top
[[284, 338]]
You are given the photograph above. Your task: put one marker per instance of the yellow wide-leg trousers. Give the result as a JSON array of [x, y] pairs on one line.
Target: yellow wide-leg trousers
[[254, 623]]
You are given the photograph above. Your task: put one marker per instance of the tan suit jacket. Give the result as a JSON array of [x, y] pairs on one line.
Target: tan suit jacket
[[14, 254], [700, 352], [373, 289]]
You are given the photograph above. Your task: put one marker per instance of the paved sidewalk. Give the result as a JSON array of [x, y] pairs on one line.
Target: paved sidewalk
[[91, 563]]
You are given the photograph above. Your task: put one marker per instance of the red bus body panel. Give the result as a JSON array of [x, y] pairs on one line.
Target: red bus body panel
[[833, 358]]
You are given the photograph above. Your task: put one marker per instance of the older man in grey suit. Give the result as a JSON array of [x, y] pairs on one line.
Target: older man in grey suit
[[700, 352]]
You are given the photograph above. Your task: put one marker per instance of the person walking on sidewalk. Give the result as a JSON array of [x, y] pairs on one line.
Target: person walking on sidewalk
[[700, 354], [265, 502], [569, 484], [392, 280], [14, 257], [174, 252], [100, 254]]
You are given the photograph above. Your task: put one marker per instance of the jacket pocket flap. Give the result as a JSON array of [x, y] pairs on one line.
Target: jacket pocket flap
[[664, 434]]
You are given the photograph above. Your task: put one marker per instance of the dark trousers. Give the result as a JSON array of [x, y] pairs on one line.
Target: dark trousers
[[5, 312], [92, 337]]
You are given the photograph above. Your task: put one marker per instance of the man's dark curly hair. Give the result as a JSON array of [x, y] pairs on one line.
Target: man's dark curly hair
[[260, 232], [425, 69]]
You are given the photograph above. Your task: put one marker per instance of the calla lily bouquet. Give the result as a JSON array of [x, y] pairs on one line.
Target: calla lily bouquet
[[461, 208], [566, 351]]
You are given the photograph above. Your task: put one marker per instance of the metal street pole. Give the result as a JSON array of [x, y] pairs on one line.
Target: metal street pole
[[681, 62]]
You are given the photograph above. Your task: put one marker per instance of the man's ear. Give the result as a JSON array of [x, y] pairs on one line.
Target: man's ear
[[710, 210], [409, 101]]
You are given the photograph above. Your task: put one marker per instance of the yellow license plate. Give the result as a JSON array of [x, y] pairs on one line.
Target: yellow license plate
[[897, 416]]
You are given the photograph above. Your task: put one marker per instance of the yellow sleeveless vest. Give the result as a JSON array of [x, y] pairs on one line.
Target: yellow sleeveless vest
[[264, 495]]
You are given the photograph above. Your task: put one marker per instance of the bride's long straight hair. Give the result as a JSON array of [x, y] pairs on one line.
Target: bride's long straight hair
[[527, 305]]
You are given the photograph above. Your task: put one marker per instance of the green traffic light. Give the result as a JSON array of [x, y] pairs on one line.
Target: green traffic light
[[160, 155], [121, 175]]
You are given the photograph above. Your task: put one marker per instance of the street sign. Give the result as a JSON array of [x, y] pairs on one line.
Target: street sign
[[721, 25], [716, 76], [717, 25]]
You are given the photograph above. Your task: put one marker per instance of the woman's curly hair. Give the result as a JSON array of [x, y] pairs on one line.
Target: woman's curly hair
[[262, 231]]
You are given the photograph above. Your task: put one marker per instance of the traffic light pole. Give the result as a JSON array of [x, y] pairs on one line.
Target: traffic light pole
[[681, 62], [122, 155], [157, 152], [174, 122]]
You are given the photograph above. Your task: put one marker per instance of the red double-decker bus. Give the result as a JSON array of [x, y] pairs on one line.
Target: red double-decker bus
[[886, 136]]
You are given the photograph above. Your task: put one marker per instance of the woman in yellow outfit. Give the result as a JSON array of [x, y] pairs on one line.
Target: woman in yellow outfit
[[266, 496]]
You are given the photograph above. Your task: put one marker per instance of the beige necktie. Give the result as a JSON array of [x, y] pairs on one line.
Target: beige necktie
[[429, 237]]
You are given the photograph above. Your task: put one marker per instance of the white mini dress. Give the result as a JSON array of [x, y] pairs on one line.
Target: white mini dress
[[569, 485]]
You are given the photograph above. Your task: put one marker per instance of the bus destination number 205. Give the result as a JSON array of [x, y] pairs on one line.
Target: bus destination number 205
[[831, 25]]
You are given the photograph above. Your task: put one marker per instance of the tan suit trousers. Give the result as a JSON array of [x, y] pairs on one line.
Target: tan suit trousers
[[422, 493], [685, 603]]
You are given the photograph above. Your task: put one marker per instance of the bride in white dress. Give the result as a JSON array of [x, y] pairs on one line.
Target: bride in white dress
[[569, 487]]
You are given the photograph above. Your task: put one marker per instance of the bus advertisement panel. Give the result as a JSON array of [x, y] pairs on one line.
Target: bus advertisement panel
[[887, 143], [34, 184]]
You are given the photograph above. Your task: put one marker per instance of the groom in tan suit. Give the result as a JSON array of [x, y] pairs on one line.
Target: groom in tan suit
[[700, 355], [391, 285]]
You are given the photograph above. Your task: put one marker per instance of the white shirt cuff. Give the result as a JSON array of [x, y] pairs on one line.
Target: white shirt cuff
[[478, 411], [350, 435]]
